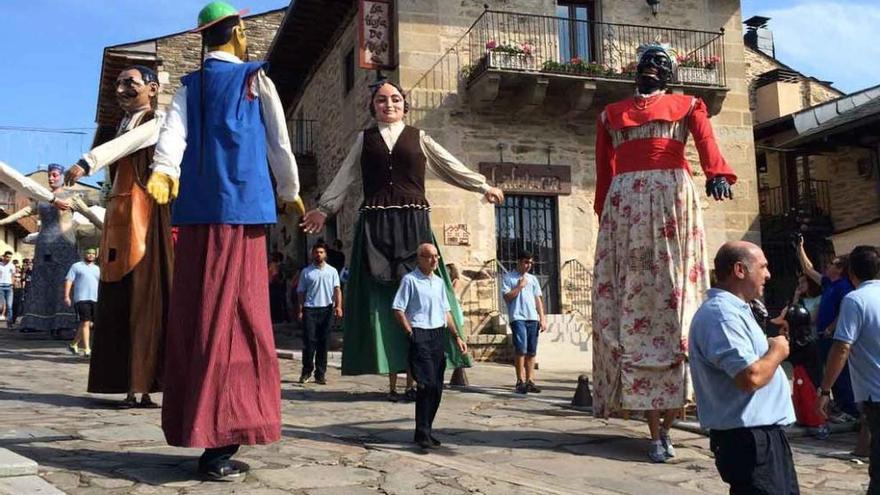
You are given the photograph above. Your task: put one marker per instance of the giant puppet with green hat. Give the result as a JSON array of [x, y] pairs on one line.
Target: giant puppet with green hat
[[223, 127]]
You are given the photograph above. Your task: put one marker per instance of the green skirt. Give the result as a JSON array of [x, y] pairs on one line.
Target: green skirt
[[373, 340]]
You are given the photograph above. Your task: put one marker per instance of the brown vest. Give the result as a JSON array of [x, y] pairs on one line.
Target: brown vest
[[393, 177], [127, 218]]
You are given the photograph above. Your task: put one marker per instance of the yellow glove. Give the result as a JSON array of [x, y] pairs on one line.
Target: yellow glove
[[296, 206], [163, 188]]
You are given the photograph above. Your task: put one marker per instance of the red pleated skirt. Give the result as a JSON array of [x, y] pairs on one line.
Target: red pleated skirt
[[222, 382]]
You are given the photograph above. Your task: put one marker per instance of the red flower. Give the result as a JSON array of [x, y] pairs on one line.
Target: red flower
[[674, 298], [604, 290], [615, 200], [670, 229], [640, 385], [491, 44], [641, 325], [639, 185], [659, 341]]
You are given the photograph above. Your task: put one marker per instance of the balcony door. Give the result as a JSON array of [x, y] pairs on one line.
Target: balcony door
[[576, 30]]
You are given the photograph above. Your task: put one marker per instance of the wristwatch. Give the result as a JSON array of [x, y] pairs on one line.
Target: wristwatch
[[823, 393]]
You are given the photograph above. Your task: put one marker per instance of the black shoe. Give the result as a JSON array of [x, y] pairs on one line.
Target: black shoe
[[320, 380], [532, 388], [410, 394], [521, 387], [393, 397], [304, 378], [434, 441], [223, 470], [425, 443]]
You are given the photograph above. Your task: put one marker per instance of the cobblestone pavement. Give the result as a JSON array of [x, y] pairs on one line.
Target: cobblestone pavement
[[345, 438]]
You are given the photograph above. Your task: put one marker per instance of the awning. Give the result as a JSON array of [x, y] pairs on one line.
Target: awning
[[846, 241]]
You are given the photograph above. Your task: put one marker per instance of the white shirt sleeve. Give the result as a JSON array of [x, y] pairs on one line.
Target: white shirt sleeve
[[136, 139], [172, 137], [350, 171], [448, 168], [281, 158], [24, 185]]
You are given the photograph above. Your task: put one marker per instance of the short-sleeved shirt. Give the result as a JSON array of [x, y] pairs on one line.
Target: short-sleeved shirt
[[832, 295], [85, 277], [7, 272], [318, 285], [859, 326], [423, 299], [724, 340], [523, 306]]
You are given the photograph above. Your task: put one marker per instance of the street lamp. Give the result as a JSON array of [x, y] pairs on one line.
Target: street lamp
[[655, 6]]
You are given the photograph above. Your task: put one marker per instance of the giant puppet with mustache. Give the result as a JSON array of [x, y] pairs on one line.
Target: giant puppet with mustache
[[136, 251], [651, 263]]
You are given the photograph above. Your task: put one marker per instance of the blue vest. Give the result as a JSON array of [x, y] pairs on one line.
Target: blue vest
[[230, 184]]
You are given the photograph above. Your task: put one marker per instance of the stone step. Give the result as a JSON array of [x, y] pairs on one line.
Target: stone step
[[31, 485], [12, 464]]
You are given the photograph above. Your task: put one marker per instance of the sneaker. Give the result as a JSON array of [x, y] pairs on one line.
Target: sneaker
[[304, 378], [320, 380], [2, 318], [393, 397], [521, 387], [87, 352], [73, 349], [666, 442], [842, 418], [657, 454], [532, 388]]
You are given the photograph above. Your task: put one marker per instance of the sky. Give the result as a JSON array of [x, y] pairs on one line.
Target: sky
[[52, 57]]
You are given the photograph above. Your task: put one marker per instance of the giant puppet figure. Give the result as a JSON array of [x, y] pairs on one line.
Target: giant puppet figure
[[44, 307], [651, 267], [221, 381], [136, 253], [390, 159]]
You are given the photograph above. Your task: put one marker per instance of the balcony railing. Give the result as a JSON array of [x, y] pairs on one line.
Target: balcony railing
[[555, 45], [302, 135], [812, 199]]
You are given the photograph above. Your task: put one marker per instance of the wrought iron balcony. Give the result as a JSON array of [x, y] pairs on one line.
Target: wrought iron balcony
[[812, 200], [302, 137], [510, 41]]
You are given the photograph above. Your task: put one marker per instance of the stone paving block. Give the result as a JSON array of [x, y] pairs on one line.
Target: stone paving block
[[136, 432], [315, 477], [347, 490], [30, 485], [12, 464]]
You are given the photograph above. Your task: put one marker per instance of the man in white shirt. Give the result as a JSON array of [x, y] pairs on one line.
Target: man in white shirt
[[7, 273]]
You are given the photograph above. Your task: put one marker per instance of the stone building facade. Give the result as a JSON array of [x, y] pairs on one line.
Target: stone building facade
[[517, 125]]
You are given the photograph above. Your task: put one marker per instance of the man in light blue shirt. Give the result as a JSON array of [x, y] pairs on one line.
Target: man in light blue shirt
[[421, 306], [525, 307], [743, 396], [83, 277], [857, 336], [320, 300]]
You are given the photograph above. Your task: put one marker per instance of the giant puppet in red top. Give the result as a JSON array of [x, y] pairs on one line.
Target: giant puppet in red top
[[651, 267]]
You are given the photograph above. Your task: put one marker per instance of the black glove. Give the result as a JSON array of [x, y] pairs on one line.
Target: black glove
[[719, 188]]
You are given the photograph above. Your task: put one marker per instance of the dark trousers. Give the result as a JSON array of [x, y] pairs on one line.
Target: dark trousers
[[427, 361], [872, 415], [841, 391], [214, 456], [316, 333], [754, 461], [17, 303]]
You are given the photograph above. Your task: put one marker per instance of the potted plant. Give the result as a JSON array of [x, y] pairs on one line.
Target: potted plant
[[698, 70], [510, 56]]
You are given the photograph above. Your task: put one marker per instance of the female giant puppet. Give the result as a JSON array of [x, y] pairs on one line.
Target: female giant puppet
[[651, 262], [222, 386], [391, 158], [56, 246]]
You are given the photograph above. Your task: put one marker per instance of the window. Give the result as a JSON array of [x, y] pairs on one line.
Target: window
[[576, 31], [348, 71]]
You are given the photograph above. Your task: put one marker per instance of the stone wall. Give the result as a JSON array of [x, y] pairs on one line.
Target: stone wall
[[180, 53], [855, 198]]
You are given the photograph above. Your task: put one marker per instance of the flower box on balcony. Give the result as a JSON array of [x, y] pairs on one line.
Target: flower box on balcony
[[515, 61], [698, 75]]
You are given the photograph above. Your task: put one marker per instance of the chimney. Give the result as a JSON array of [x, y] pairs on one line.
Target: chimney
[[758, 37]]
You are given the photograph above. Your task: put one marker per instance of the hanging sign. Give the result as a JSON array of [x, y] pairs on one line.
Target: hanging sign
[[376, 34]]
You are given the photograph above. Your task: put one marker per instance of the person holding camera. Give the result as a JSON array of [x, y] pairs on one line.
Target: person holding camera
[[835, 286]]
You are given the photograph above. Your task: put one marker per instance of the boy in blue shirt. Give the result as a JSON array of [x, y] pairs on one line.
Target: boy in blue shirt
[[525, 306]]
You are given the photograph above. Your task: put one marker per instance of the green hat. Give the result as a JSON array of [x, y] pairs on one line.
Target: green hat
[[215, 12]]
